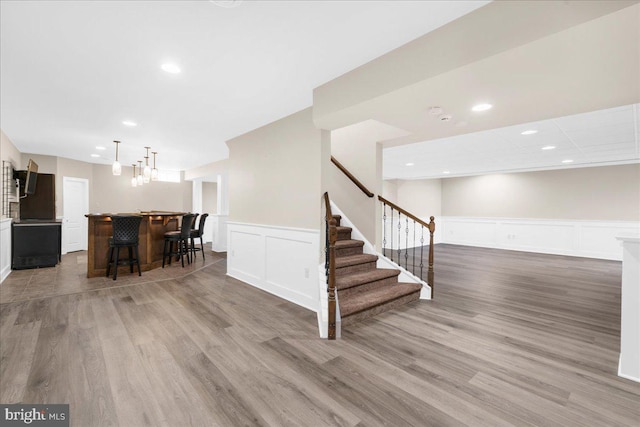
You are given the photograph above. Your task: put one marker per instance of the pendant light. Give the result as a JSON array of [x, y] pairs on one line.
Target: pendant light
[[116, 168], [134, 180], [146, 174], [140, 179], [154, 171]]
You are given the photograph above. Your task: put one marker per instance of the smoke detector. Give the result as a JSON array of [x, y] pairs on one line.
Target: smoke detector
[[435, 111]]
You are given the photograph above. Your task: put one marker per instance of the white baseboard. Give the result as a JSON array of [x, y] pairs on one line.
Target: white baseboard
[[590, 239], [624, 375], [279, 260]]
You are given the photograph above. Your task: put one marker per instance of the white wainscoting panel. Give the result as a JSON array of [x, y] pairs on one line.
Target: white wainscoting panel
[[218, 230], [5, 248], [591, 239], [282, 261]]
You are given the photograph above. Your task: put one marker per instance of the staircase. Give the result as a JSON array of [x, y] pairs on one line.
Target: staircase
[[364, 290]]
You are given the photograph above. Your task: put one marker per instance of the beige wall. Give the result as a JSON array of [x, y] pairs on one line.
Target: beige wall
[[274, 174], [114, 193], [597, 193], [9, 152], [209, 197], [423, 197], [390, 190], [358, 149], [46, 164], [208, 171], [108, 193]]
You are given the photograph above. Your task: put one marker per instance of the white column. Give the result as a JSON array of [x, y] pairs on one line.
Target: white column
[[196, 203], [223, 194], [629, 366], [219, 220]]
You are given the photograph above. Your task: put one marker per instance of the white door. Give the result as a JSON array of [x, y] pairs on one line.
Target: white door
[[75, 201]]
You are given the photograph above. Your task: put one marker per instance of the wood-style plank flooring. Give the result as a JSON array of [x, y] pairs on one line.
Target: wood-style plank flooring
[[512, 338]]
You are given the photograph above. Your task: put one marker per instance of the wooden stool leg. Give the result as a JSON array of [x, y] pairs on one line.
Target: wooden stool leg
[[138, 260], [115, 263], [164, 252], [202, 247], [180, 247], [109, 261], [130, 259]]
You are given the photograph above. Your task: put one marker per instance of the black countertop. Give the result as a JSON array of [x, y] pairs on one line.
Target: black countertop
[[37, 221]]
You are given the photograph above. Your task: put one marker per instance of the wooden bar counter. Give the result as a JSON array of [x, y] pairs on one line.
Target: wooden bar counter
[[152, 229]]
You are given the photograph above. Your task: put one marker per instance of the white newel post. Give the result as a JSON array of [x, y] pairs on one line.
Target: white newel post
[[629, 366]]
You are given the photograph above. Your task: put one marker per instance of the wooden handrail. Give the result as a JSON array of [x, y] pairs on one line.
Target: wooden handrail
[[332, 237], [405, 213], [353, 179]]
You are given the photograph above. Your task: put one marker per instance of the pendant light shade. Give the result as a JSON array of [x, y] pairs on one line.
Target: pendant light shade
[[140, 179], [154, 171], [134, 180], [146, 174], [116, 168]]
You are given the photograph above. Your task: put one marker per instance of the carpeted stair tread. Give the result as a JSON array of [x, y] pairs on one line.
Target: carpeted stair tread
[[342, 229], [347, 261], [358, 303], [348, 244], [357, 279]]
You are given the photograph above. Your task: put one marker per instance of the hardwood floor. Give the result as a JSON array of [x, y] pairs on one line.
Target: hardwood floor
[[511, 339]]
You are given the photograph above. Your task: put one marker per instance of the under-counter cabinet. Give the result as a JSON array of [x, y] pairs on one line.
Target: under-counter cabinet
[[35, 244]]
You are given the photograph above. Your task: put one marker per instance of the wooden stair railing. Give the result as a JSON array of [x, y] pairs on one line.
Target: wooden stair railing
[[331, 235], [353, 179], [416, 270]]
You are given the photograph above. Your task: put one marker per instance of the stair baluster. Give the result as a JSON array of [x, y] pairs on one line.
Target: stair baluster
[[431, 226], [399, 236], [406, 251], [384, 228], [413, 264]]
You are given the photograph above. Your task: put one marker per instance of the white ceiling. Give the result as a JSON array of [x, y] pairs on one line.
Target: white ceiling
[[609, 136], [72, 71]]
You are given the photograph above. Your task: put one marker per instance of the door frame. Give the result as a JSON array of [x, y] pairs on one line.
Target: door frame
[[85, 227]]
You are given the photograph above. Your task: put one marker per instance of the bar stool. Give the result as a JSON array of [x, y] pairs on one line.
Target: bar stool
[[126, 230], [197, 233], [181, 238]]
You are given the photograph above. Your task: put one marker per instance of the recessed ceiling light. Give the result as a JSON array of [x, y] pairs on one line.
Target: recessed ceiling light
[[95, 155], [129, 123], [435, 111], [171, 68], [567, 161], [409, 164], [549, 147], [482, 107], [99, 147], [529, 132], [446, 172]]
